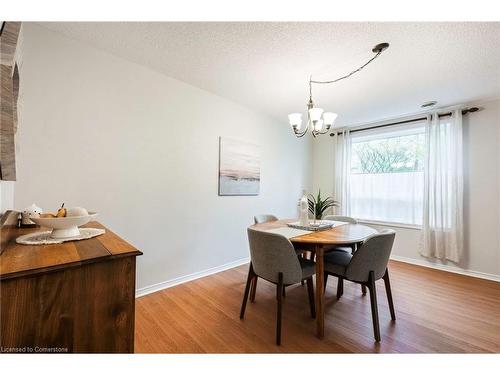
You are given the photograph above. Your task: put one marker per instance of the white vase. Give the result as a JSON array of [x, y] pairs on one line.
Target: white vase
[[304, 209]]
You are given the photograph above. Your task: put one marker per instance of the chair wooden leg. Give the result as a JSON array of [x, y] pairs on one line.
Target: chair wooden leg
[[310, 292], [389, 294], [279, 292], [250, 277], [373, 300], [325, 280], [253, 288], [363, 289], [340, 287]]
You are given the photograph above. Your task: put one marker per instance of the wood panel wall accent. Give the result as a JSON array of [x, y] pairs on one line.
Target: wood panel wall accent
[[9, 86], [7, 144], [8, 42], [15, 95]]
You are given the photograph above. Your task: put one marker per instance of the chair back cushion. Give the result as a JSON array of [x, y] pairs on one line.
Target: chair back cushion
[[272, 253], [264, 218], [373, 255], [345, 219]]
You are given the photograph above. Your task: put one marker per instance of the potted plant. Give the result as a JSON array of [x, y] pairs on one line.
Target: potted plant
[[318, 206]]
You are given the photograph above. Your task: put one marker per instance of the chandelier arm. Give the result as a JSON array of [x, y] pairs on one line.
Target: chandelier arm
[[323, 132], [347, 75], [300, 135]]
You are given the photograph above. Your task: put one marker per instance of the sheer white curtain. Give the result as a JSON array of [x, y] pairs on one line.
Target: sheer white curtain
[[387, 177], [387, 197], [342, 150], [442, 234]]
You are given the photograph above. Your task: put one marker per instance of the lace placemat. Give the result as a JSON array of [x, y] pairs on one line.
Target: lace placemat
[[43, 238]]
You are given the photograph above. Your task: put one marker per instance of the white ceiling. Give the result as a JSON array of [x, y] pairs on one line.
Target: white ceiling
[[266, 66]]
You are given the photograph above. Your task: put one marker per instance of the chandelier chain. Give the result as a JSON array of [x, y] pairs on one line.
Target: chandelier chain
[[319, 121], [311, 81]]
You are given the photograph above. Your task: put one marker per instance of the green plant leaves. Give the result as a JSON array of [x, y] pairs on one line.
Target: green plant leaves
[[318, 205]]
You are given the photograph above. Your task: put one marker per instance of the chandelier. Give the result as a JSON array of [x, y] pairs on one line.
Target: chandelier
[[319, 121]]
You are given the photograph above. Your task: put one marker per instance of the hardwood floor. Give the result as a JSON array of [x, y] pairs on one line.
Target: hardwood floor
[[436, 311]]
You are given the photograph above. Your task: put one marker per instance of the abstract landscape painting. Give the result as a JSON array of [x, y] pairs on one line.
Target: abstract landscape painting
[[239, 167]]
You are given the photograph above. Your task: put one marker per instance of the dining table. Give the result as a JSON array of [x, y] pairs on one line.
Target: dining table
[[318, 243]]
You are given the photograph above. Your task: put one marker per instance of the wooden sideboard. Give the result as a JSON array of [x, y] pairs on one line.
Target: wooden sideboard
[[76, 296]]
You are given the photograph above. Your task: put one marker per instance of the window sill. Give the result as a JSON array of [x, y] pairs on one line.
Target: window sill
[[388, 224]]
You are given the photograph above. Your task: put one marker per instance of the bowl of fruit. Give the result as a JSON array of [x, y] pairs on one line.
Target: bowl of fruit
[[65, 222]]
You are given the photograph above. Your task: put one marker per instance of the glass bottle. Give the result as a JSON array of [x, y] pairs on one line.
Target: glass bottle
[[304, 209]]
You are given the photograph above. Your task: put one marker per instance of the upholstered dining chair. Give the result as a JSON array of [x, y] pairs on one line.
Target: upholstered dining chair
[[345, 219], [367, 265], [273, 258], [259, 219], [264, 218], [349, 248]]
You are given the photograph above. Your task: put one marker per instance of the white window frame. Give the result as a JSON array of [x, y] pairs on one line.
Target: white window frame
[[390, 128]]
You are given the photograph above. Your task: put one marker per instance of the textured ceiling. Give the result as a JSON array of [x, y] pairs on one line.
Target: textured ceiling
[[266, 66]]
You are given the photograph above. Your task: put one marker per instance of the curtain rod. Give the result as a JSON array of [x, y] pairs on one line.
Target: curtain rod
[[464, 111]]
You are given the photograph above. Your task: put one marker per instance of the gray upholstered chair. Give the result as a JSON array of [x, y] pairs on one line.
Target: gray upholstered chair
[[345, 219], [264, 218], [259, 219], [365, 266], [273, 258]]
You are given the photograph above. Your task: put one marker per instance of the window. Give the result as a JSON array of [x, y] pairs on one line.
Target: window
[[386, 178]]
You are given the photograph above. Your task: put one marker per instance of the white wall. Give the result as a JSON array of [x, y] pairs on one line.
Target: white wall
[[142, 149], [481, 194], [6, 196], [323, 165]]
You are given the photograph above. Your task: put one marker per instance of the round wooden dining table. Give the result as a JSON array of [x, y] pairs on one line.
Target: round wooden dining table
[[319, 243]]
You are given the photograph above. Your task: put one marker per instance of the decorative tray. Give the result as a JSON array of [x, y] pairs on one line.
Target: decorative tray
[[313, 225]]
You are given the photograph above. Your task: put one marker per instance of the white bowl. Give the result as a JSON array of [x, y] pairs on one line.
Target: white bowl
[[64, 227]]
